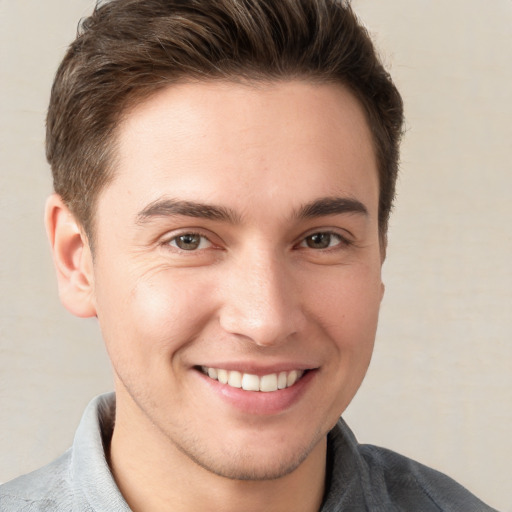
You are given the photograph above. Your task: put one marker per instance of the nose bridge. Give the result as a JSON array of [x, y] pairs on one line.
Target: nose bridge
[[260, 302]]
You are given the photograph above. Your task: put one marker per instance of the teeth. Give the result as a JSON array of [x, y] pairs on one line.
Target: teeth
[[268, 383], [222, 376], [292, 378], [250, 382], [235, 379]]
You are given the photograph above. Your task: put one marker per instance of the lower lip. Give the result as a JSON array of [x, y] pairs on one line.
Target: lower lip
[[259, 402]]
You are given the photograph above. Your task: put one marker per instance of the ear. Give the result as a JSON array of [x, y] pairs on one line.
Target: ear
[[383, 250], [383, 241], [72, 258]]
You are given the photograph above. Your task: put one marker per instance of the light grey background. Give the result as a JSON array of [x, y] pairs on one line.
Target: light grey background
[[439, 387]]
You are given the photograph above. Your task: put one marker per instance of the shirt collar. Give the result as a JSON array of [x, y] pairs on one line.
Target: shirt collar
[[90, 472]]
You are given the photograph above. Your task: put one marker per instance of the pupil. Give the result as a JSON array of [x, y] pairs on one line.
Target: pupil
[[319, 241], [188, 242]]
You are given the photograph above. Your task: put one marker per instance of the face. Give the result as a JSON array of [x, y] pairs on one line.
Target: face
[[237, 270]]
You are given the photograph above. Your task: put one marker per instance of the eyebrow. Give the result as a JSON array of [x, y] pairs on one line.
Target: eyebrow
[[167, 207], [331, 206]]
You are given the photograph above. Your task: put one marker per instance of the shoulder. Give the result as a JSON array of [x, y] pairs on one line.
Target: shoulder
[[367, 477], [48, 488], [409, 483], [79, 480]]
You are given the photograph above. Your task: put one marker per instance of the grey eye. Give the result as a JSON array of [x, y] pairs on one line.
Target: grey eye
[[188, 241]]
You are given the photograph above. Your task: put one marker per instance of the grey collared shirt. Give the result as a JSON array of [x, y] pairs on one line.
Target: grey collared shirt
[[359, 477]]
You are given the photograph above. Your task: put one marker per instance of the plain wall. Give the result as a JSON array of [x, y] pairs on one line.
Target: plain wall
[[439, 388]]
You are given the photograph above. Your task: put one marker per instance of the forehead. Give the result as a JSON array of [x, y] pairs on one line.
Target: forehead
[[246, 145]]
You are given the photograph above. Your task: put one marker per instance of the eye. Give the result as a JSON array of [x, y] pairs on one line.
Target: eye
[[190, 242], [323, 240]]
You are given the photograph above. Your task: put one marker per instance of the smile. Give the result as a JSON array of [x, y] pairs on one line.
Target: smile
[[250, 382]]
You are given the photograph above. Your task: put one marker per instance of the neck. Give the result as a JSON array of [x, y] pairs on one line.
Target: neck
[[154, 475]]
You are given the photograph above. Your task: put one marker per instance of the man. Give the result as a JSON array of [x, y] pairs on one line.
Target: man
[[224, 173]]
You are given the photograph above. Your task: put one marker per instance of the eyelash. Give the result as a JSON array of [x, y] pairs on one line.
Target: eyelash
[[190, 234], [342, 241], [303, 244]]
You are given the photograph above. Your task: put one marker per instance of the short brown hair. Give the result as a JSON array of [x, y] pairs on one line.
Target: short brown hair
[[128, 49]]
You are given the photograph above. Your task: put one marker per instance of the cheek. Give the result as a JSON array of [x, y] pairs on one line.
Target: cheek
[[350, 297], [347, 307], [154, 314]]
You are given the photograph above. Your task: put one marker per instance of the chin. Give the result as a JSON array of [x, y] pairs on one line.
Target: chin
[[255, 463], [244, 467]]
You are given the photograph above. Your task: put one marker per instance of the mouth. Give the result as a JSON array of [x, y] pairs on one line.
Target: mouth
[[249, 382]]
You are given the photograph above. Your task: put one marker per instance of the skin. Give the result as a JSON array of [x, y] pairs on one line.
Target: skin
[[259, 292]]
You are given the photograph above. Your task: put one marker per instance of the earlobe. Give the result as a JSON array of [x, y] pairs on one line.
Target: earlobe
[[72, 258]]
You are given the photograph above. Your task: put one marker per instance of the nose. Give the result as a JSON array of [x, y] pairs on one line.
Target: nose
[[261, 302]]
